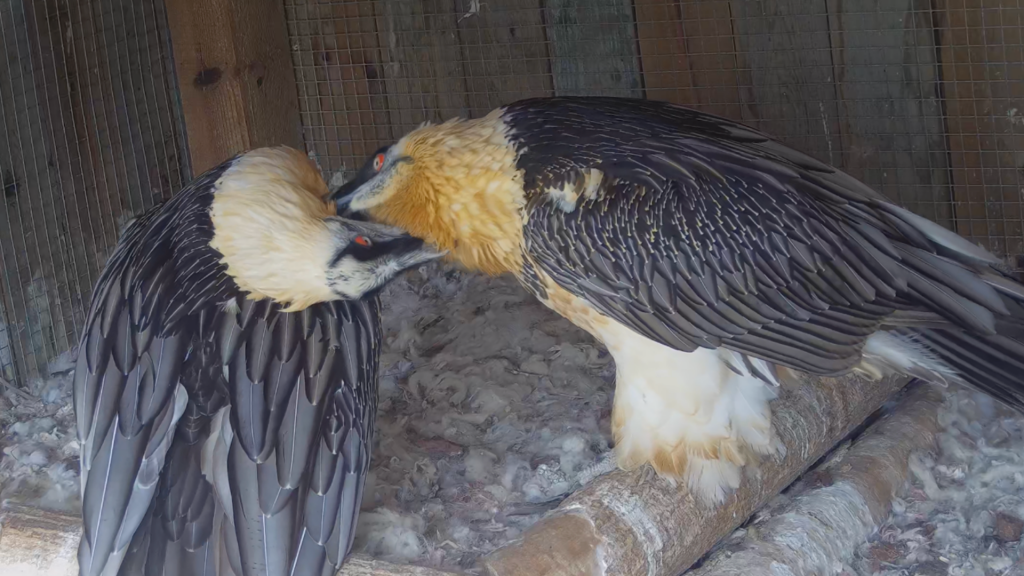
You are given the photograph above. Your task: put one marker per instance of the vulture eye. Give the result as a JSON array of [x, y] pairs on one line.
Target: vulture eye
[[363, 241], [378, 162]]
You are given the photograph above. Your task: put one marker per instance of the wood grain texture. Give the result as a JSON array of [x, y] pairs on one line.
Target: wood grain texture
[[36, 542], [593, 48], [27, 232], [663, 52], [235, 76], [85, 107], [504, 52], [983, 83], [688, 54], [889, 98], [650, 527], [423, 70], [712, 55], [337, 58], [842, 502], [790, 93]]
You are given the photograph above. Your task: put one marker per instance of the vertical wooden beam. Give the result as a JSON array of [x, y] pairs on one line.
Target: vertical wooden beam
[[235, 75], [689, 56], [713, 57], [423, 70], [785, 45], [886, 76], [664, 56], [983, 86], [337, 58], [593, 48], [505, 52]]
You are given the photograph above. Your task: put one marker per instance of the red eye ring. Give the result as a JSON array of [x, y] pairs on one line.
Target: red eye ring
[[378, 162], [363, 241]]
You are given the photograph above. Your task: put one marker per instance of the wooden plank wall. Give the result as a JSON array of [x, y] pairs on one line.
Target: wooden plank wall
[[888, 95], [593, 47], [785, 73], [370, 70], [983, 83], [923, 104], [922, 99], [236, 81], [90, 140]]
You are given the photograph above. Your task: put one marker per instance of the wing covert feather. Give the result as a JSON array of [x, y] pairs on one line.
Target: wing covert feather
[[705, 233]]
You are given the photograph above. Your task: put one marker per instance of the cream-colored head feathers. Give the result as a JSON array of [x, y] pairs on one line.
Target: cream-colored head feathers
[[268, 215]]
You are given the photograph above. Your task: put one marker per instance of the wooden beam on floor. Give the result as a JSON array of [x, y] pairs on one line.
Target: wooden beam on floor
[[36, 542], [621, 524]]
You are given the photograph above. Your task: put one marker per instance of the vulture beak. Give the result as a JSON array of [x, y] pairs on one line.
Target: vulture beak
[[343, 196]]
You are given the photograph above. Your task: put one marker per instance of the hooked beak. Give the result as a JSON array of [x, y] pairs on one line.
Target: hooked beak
[[423, 255], [349, 191], [414, 251], [343, 197]]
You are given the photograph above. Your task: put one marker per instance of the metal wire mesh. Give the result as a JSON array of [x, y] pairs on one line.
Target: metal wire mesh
[[922, 99], [91, 138]]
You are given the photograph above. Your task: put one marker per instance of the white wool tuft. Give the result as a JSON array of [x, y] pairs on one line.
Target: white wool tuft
[[493, 409], [961, 500], [390, 535]]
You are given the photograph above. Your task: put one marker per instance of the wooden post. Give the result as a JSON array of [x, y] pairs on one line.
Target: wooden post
[[885, 65], [235, 76], [425, 79]]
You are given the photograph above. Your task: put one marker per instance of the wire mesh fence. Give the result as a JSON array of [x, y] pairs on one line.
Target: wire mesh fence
[[90, 138], [922, 99]]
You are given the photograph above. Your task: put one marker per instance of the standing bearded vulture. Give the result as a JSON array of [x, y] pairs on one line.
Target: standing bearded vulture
[[704, 255], [226, 380]]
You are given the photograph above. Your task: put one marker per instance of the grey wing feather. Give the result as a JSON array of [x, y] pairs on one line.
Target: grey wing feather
[[296, 446], [740, 241], [128, 389], [303, 402], [127, 401]]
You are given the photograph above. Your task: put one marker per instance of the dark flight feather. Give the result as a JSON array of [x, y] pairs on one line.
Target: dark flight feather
[[754, 246], [170, 343]]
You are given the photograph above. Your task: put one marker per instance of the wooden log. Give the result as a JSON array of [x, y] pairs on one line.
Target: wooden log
[[36, 542], [621, 524], [842, 505], [235, 76]]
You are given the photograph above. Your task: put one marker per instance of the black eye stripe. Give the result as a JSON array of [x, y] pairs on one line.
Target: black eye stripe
[[378, 250], [337, 258]]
